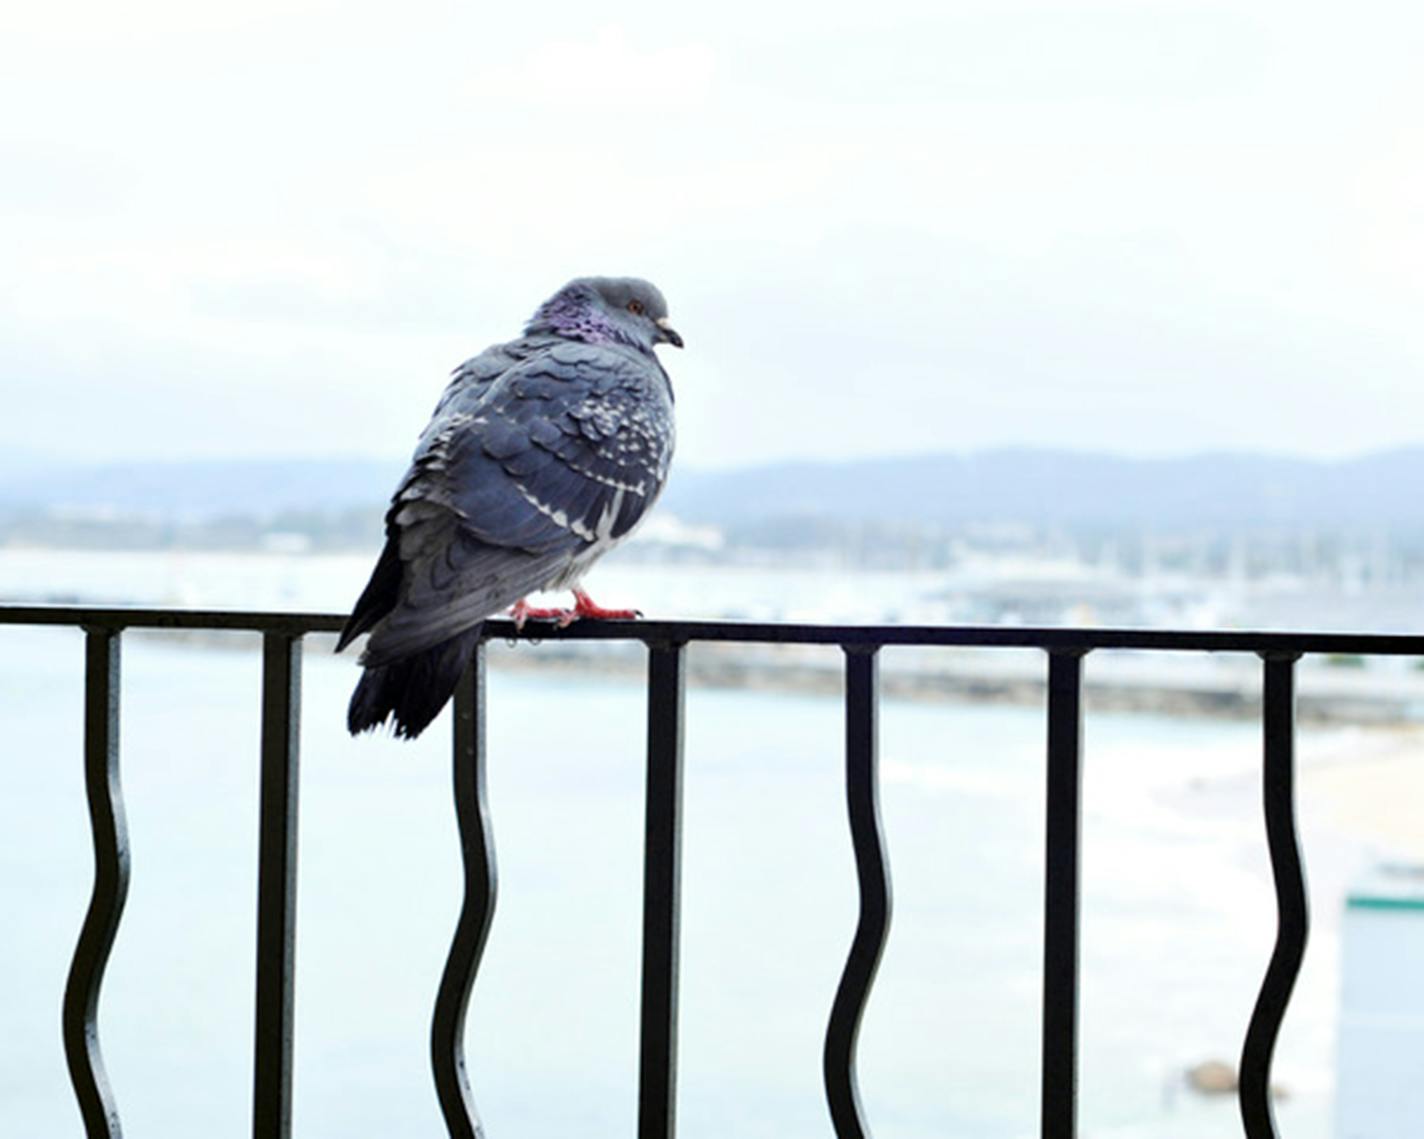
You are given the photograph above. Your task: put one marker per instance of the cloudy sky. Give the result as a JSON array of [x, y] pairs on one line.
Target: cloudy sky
[[271, 227]]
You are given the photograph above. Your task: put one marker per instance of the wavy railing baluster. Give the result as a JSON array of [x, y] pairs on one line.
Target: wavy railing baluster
[[1292, 912], [276, 886], [862, 705], [447, 1027], [1062, 857], [662, 855], [111, 886]]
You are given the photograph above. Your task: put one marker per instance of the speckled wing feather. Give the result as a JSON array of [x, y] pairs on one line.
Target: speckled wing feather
[[542, 455]]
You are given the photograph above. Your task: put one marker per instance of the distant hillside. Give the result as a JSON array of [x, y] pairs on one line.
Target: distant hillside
[[1071, 488], [209, 488], [1038, 487]]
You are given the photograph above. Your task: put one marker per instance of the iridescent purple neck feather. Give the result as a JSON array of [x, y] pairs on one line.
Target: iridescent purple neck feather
[[576, 313]]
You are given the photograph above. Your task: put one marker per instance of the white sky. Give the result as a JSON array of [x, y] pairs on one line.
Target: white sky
[[271, 227]]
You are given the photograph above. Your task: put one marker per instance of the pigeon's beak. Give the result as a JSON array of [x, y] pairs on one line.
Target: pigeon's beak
[[667, 334]]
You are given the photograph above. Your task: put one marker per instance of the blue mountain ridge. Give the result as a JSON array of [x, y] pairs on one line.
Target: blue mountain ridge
[[1029, 485]]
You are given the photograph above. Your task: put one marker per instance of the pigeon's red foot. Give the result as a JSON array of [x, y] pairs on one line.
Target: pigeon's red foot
[[522, 611], [585, 606]]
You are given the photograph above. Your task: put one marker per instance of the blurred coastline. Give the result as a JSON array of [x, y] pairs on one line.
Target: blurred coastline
[[672, 579]]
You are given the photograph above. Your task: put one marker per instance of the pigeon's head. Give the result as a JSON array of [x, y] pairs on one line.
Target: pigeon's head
[[604, 310]]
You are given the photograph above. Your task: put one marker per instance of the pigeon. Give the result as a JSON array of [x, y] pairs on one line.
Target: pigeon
[[542, 455]]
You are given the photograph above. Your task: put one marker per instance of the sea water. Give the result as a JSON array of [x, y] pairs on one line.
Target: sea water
[[1178, 912]]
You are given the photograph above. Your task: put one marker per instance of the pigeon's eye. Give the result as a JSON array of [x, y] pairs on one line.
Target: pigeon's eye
[[635, 307]]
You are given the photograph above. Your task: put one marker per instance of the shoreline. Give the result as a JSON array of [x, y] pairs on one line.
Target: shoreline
[[1374, 797], [1115, 683]]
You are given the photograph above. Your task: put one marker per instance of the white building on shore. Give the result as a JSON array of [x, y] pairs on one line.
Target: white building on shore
[[1380, 1058]]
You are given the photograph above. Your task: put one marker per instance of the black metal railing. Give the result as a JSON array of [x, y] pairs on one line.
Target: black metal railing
[[666, 640]]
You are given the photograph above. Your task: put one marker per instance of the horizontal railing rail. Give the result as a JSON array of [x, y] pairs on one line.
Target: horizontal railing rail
[[1048, 638], [1065, 648]]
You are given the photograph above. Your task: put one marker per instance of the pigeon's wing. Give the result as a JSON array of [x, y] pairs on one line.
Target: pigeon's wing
[[517, 479], [572, 444], [471, 379], [469, 384]]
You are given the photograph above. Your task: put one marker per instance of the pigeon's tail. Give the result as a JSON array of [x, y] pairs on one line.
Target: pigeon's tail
[[410, 691]]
